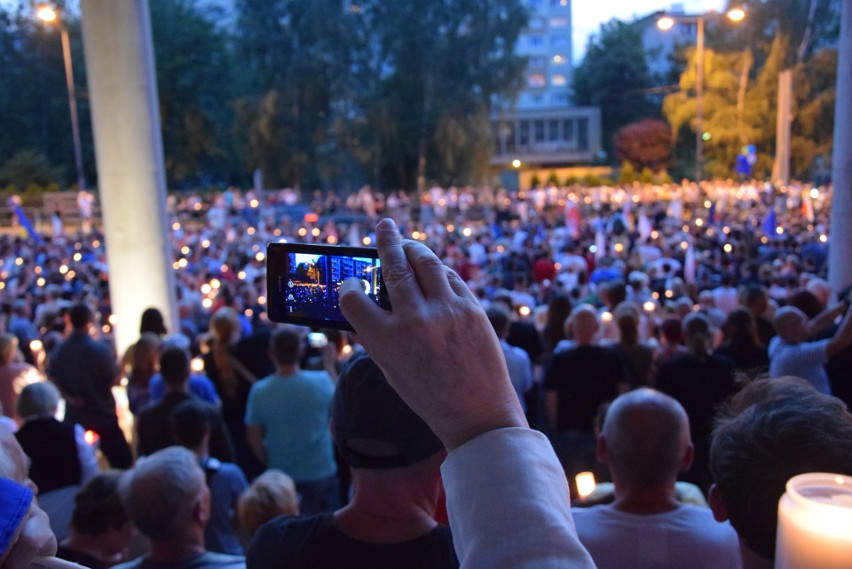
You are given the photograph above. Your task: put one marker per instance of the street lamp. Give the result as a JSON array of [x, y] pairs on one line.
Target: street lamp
[[667, 22], [49, 15]]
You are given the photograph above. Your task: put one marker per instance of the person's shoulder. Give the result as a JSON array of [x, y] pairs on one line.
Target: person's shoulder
[[290, 532]]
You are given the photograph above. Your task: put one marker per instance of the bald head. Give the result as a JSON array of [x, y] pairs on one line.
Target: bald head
[[645, 439], [584, 323], [791, 324]]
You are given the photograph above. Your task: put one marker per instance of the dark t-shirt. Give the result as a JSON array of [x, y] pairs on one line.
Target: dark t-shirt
[[85, 369], [752, 359], [154, 429], [700, 386], [584, 377], [309, 542]]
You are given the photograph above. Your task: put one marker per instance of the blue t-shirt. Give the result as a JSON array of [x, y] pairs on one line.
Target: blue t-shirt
[[199, 385], [294, 413]]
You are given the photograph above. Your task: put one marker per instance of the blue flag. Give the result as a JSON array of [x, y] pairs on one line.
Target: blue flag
[[26, 223], [770, 223]]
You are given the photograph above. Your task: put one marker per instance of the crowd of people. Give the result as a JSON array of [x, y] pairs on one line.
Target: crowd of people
[[623, 331]]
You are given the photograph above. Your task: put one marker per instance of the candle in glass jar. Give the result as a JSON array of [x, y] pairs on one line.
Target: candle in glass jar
[[815, 523]]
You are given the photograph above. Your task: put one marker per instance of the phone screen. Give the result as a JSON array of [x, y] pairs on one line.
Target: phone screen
[[304, 280]]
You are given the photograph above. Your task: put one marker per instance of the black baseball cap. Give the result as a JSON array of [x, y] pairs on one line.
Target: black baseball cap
[[372, 426]]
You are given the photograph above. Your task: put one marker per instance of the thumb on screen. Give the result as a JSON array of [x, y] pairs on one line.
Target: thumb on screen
[[361, 312]]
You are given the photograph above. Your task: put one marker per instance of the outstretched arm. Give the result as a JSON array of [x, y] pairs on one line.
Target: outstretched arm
[[439, 352]]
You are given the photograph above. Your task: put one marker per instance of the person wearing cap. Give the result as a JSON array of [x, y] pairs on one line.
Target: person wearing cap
[[507, 497], [395, 460]]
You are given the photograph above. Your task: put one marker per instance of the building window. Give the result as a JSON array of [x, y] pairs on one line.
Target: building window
[[525, 133], [559, 80], [536, 23], [583, 134], [568, 129], [535, 41], [553, 129], [536, 80], [536, 62], [559, 41], [539, 130], [558, 22], [537, 99], [559, 98]]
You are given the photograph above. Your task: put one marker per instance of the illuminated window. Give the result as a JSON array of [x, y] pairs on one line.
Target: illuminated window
[[536, 80], [558, 80], [558, 22]]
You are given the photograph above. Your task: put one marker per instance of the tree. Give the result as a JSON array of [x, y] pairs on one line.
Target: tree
[[428, 73], [614, 76], [194, 81], [33, 104], [28, 167], [644, 144]]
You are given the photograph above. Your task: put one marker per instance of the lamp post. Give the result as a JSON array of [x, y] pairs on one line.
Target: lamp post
[[666, 23], [49, 15]]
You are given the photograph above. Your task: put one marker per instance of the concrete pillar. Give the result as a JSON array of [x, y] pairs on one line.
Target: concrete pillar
[[129, 151], [781, 167], [840, 245]]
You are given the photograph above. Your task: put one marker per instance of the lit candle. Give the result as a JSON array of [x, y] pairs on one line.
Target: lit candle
[[815, 523], [585, 483]]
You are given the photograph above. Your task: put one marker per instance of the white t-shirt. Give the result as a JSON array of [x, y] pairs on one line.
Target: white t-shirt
[[806, 360], [684, 537]]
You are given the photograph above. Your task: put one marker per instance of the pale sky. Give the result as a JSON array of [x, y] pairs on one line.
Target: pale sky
[[588, 15]]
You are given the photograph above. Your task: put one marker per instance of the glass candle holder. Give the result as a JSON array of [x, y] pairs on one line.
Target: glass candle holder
[[815, 523]]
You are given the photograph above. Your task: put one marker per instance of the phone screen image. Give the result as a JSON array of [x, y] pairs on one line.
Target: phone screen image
[[304, 282]]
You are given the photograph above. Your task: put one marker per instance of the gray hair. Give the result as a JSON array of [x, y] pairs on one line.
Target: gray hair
[[161, 491], [38, 400]]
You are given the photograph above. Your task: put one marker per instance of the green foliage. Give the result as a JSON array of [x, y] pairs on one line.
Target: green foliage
[[194, 80], [741, 88], [614, 75], [627, 173], [29, 167]]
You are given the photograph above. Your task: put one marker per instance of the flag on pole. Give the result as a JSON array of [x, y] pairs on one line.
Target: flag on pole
[[600, 240], [644, 225], [808, 207], [770, 223], [572, 219], [689, 264], [23, 220]]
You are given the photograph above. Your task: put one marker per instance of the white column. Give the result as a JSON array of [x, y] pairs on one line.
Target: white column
[[840, 245], [781, 167], [129, 151]]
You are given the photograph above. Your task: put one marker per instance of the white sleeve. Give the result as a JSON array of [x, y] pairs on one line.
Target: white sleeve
[[508, 503], [86, 455]]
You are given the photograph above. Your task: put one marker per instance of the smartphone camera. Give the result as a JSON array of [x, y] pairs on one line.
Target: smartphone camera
[[303, 282]]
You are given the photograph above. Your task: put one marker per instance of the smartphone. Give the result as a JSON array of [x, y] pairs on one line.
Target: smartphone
[[303, 282]]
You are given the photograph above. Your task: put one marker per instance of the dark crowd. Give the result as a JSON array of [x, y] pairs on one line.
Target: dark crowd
[[668, 346]]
